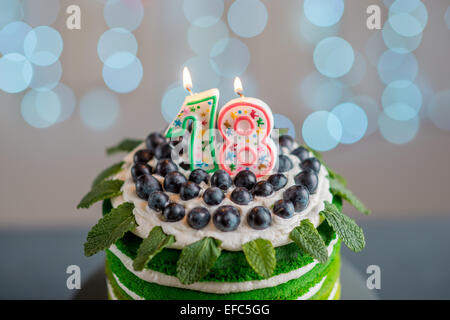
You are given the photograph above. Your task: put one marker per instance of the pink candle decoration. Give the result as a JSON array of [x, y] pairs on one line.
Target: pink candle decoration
[[246, 125]]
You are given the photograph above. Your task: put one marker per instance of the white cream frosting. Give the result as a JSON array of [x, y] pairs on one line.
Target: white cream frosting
[[133, 295], [216, 287], [334, 290], [277, 233], [111, 293], [313, 290]]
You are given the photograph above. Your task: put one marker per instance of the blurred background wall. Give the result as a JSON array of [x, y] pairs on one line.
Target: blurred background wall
[[385, 91]]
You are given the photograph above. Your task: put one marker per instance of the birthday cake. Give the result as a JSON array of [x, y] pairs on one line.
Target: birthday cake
[[244, 222]]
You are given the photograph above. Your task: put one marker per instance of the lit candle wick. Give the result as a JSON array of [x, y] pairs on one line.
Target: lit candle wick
[[187, 80], [238, 87]]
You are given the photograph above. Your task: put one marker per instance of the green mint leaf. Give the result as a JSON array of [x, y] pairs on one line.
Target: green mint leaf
[[197, 259], [260, 255], [110, 228], [345, 227], [338, 189], [151, 246], [106, 207], [126, 145], [309, 240], [104, 190], [108, 172]]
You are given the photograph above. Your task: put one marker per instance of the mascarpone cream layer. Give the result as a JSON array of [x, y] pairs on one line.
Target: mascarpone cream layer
[[334, 290], [277, 233], [313, 290], [111, 293]]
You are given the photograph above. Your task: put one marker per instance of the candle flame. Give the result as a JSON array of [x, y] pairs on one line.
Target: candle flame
[[187, 80], [238, 86]]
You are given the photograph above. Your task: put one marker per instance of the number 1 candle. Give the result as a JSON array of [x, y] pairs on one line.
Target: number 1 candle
[[246, 125], [200, 109]]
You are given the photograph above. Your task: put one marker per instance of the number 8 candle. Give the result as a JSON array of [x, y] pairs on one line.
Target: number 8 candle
[[200, 108], [246, 125]]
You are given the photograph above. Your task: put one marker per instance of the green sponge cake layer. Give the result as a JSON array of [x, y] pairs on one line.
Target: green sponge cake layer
[[314, 279], [316, 284], [329, 291], [116, 293]]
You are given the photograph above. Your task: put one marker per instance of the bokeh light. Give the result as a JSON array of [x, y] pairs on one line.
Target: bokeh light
[[40, 12], [12, 37], [322, 131], [99, 109], [313, 34], [321, 93], [201, 40], [439, 110], [43, 46], [203, 75], [353, 120], [283, 122], [401, 100], [203, 13], [397, 42], [125, 79], [398, 132], [229, 57], [357, 72], [172, 101], [123, 14], [334, 57], [394, 66], [117, 47], [16, 73], [427, 91], [372, 110], [324, 13], [68, 101], [408, 17], [46, 77], [41, 109], [247, 18], [10, 10], [447, 17]]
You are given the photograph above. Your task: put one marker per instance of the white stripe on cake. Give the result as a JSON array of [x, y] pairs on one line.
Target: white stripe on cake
[[313, 290], [111, 293], [133, 295], [334, 290]]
